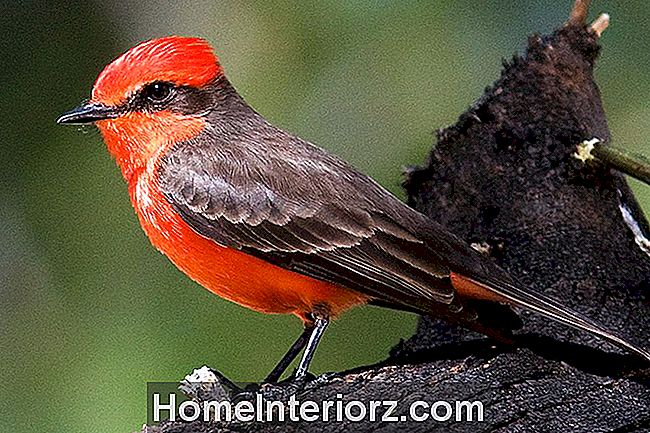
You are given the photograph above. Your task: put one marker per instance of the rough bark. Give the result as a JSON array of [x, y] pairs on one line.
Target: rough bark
[[503, 177]]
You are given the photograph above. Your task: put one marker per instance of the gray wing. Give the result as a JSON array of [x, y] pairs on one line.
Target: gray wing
[[310, 213]]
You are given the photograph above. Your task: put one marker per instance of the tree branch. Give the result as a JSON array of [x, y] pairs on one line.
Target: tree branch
[[579, 13], [636, 166]]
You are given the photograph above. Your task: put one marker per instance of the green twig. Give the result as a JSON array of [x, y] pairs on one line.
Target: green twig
[[637, 166]]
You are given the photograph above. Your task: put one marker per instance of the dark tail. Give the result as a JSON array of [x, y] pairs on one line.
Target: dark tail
[[551, 309]]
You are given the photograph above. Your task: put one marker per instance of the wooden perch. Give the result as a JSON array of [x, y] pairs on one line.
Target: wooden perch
[[504, 177]]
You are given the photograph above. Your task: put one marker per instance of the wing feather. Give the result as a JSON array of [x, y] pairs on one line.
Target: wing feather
[[308, 226]]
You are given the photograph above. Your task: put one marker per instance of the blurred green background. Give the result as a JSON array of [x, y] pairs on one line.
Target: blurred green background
[[91, 311]]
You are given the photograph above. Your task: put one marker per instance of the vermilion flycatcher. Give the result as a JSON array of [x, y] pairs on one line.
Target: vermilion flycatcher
[[277, 224]]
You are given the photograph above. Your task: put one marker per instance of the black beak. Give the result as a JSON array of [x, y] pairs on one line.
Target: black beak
[[87, 113]]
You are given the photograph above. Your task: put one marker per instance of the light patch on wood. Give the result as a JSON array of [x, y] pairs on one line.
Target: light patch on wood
[[583, 153], [640, 239]]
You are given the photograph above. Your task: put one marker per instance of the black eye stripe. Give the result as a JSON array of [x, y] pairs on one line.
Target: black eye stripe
[[162, 95]]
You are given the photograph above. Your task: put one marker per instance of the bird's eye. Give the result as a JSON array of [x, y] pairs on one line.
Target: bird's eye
[[158, 92]]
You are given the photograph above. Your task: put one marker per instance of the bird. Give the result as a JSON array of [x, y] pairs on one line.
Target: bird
[[272, 222]]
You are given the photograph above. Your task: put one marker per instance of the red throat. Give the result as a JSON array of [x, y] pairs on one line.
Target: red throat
[[135, 139]]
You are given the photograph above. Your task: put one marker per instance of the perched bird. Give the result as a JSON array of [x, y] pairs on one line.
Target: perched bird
[[272, 222]]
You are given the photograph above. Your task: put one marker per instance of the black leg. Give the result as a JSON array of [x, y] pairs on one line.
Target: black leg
[[291, 354], [320, 323]]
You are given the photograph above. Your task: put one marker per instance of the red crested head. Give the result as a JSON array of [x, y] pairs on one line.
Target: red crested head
[[179, 60], [154, 95]]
